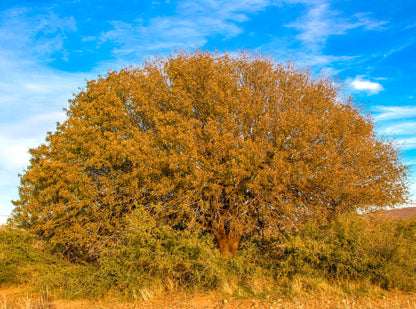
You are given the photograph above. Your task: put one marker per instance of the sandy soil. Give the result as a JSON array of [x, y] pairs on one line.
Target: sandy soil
[[18, 298]]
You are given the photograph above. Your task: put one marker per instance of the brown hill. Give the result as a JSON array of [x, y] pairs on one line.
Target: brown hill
[[400, 213]]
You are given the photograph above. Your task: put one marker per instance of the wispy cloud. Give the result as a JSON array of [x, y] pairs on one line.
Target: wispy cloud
[[394, 112], [191, 26], [408, 143], [31, 102], [32, 95], [16, 139], [33, 127], [391, 121], [321, 21], [234, 10], [402, 128], [27, 88], [32, 98], [317, 22], [14, 155], [34, 31]]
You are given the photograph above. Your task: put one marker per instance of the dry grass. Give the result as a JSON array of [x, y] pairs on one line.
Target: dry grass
[[19, 299]]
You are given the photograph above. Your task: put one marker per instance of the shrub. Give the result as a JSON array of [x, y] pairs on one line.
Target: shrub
[[147, 253], [356, 248], [25, 260], [150, 255], [20, 256]]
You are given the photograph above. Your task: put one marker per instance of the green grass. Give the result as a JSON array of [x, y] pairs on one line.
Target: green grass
[[350, 256]]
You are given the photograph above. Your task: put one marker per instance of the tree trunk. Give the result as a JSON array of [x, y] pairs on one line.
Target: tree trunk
[[228, 244]]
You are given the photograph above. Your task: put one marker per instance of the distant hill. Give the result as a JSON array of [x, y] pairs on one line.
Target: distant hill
[[400, 213]]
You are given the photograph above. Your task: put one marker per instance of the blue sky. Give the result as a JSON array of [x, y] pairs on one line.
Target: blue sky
[[48, 49]]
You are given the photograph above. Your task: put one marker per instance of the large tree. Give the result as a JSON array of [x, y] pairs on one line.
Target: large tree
[[232, 143]]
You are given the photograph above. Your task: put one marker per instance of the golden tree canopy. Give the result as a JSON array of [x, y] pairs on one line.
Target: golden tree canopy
[[233, 143]]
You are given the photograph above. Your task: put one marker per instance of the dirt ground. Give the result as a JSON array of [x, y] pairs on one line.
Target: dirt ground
[[18, 299]]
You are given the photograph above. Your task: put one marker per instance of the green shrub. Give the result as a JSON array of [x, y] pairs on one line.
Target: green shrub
[[146, 253], [150, 255], [356, 248], [20, 257], [25, 260]]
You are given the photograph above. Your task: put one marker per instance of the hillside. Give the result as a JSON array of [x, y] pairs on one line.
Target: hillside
[[400, 213]]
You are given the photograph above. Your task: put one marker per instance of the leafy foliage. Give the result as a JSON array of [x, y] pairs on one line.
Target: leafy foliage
[[230, 144]]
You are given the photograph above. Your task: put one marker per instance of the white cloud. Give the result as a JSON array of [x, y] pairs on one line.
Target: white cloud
[[402, 128], [34, 31], [15, 141], [316, 22], [320, 22], [399, 122], [194, 22], [31, 95], [14, 153], [408, 143], [14, 157], [314, 27], [391, 120], [33, 127], [28, 88], [370, 87], [412, 190], [394, 112], [31, 100]]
